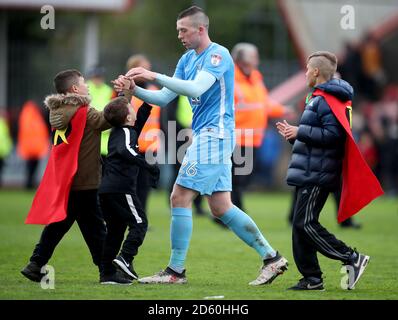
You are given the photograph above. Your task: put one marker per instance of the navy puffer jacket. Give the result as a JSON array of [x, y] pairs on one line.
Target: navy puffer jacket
[[318, 150]]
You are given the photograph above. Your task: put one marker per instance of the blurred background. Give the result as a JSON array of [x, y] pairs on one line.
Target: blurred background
[[98, 37]]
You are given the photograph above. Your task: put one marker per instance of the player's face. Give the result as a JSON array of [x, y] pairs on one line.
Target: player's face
[[311, 75], [188, 34]]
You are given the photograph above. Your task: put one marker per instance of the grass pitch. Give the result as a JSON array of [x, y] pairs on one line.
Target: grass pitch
[[218, 263]]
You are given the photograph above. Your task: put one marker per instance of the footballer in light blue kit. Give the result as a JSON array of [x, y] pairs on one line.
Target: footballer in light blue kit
[[207, 165], [205, 74]]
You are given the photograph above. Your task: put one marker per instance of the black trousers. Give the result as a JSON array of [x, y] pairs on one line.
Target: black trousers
[[336, 196], [122, 211], [31, 168], [309, 236], [240, 182], [82, 207], [143, 187]]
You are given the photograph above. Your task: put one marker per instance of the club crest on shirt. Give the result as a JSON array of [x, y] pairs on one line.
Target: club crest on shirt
[[215, 59]]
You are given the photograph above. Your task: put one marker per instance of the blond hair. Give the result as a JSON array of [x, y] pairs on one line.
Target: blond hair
[[325, 61]]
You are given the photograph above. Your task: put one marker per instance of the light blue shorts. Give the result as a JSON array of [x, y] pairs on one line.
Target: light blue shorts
[[207, 164]]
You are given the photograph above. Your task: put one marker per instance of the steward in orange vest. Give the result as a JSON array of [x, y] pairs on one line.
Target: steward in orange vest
[[33, 139], [252, 108]]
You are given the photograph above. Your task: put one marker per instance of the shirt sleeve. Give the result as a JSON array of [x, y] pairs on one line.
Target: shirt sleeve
[[217, 63], [190, 88], [179, 71]]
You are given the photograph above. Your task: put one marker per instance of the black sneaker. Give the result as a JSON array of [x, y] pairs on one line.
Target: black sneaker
[[33, 272], [310, 283], [115, 278], [350, 224], [355, 268], [125, 267]]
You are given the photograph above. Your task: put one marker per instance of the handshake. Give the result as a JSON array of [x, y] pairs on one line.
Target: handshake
[[127, 81]]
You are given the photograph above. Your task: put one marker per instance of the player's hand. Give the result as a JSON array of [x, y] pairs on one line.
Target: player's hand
[[141, 74]]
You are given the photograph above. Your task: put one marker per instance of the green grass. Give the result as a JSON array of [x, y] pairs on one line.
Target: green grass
[[218, 263]]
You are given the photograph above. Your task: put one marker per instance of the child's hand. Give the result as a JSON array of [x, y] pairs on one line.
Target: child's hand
[[123, 83], [286, 130], [281, 128]]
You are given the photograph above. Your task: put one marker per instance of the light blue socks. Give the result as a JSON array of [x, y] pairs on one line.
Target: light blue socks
[[245, 228], [180, 235]]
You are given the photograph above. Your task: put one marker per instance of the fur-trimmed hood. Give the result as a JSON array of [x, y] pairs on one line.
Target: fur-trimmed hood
[[63, 106], [56, 101]]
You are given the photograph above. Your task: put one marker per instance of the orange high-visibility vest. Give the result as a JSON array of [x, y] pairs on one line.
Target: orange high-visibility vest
[[252, 108], [33, 136], [150, 134]]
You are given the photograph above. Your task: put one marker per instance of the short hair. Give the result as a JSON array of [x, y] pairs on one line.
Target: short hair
[[64, 80], [135, 60], [116, 111], [239, 51], [325, 61], [198, 16]]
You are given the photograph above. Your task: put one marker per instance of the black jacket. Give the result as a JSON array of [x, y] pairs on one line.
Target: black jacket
[[123, 162], [318, 150]]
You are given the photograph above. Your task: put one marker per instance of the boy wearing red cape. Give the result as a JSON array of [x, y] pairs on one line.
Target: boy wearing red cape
[[324, 156], [68, 190]]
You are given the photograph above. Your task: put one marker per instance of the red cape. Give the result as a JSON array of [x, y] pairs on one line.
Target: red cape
[[360, 186], [51, 200]]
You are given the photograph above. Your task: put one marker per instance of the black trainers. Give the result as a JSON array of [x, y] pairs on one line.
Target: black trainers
[[355, 268], [310, 283], [33, 272], [125, 267], [350, 224], [115, 278]]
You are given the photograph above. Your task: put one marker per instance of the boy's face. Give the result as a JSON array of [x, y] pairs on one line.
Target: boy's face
[[311, 75], [131, 117], [81, 88]]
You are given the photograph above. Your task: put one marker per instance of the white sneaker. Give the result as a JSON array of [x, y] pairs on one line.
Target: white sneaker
[[270, 270], [165, 276]]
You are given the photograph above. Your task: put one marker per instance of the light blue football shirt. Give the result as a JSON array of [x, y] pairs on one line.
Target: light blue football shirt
[[213, 111]]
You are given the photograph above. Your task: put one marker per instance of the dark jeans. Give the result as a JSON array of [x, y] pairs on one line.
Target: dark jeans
[[309, 236], [122, 211], [82, 207]]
